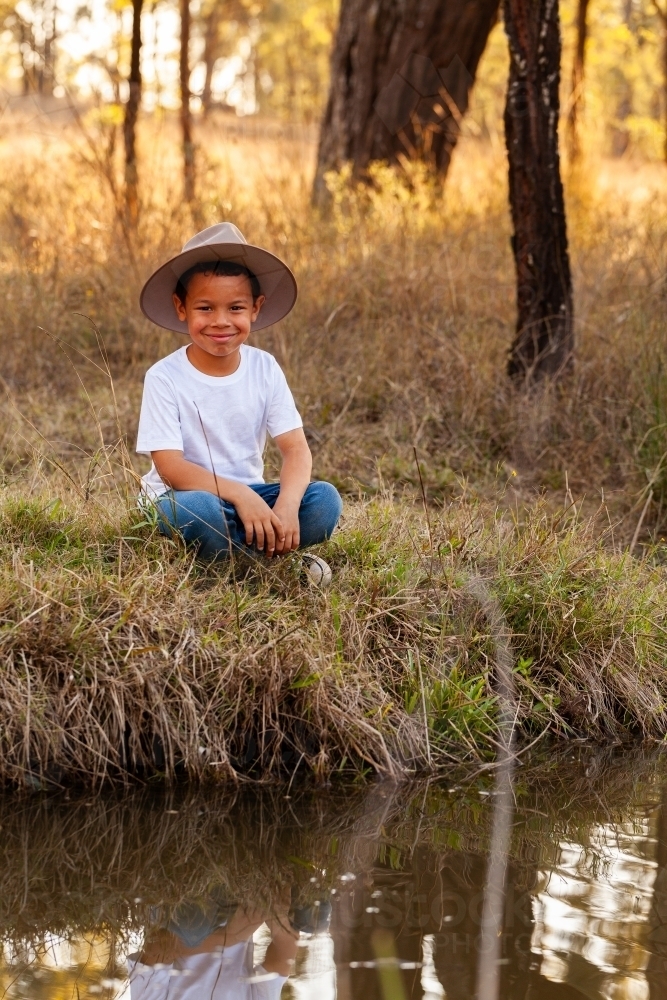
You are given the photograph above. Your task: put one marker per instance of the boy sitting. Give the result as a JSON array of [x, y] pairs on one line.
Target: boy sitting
[[207, 408]]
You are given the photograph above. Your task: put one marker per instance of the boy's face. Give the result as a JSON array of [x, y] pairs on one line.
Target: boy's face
[[219, 311]]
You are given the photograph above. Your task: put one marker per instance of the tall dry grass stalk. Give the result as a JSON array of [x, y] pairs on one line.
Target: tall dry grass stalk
[[120, 654]]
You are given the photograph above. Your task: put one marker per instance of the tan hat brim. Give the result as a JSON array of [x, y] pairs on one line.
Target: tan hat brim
[[276, 281]]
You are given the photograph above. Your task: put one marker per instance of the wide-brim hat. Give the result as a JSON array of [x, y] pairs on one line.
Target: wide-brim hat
[[221, 242]]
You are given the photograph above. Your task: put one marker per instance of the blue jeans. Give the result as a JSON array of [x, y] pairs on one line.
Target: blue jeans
[[212, 524]]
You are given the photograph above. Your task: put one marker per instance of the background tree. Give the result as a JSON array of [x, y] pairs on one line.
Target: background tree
[[291, 58], [227, 28], [657, 921], [131, 114], [623, 90], [186, 112], [544, 334], [211, 17], [283, 47], [401, 75], [661, 11], [46, 65], [577, 94], [34, 29]]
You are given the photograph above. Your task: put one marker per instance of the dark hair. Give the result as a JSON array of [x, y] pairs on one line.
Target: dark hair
[[227, 268]]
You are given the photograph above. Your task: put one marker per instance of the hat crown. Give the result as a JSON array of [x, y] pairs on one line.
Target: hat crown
[[222, 232], [222, 242]]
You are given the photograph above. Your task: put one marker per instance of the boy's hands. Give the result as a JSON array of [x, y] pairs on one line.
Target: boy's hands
[[262, 525], [288, 515], [274, 531]]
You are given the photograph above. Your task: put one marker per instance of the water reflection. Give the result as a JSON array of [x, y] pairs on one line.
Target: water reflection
[[206, 948], [359, 895], [591, 911]]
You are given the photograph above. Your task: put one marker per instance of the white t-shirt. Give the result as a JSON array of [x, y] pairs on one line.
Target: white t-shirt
[[236, 411], [219, 975]]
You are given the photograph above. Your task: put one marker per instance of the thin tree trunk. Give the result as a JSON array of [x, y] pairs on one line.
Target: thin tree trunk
[[662, 14], [620, 133], [657, 921], [40, 11], [544, 338], [47, 74], [578, 71], [131, 115], [664, 82], [186, 114], [210, 55], [401, 75], [24, 41]]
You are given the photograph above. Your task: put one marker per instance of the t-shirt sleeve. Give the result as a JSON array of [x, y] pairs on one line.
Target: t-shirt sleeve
[[159, 420], [283, 415]]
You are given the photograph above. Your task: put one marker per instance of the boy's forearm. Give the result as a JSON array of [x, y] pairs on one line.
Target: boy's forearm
[[295, 476], [281, 952], [179, 474]]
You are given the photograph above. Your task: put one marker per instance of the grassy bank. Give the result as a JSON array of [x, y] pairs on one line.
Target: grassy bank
[[123, 655]]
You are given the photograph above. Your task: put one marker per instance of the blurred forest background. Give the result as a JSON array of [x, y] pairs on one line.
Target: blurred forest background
[[263, 59], [125, 126]]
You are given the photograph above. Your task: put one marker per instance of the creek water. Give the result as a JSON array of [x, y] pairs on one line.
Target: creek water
[[554, 887]]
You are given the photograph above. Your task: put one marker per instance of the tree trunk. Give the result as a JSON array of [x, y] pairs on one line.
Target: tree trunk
[[577, 95], [210, 56], [186, 114], [40, 18], [664, 82], [657, 921], [662, 14], [401, 75], [131, 115], [50, 13], [24, 33], [544, 338], [620, 133]]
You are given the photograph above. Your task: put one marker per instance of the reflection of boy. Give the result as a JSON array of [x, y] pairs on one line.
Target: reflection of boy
[[208, 407], [177, 963]]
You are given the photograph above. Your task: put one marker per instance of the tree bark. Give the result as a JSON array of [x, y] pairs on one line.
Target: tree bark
[[47, 73], [664, 82], [210, 56], [544, 337], [186, 114], [662, 14], [657, 921], [401, 75], [620, 133], [131, 115], [25, 39], [578, 71]]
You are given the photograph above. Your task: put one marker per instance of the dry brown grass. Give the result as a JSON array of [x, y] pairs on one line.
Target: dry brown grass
[[403, 322]]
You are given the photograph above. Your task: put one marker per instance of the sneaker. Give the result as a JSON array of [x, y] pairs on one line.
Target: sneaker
[[316, 570]]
